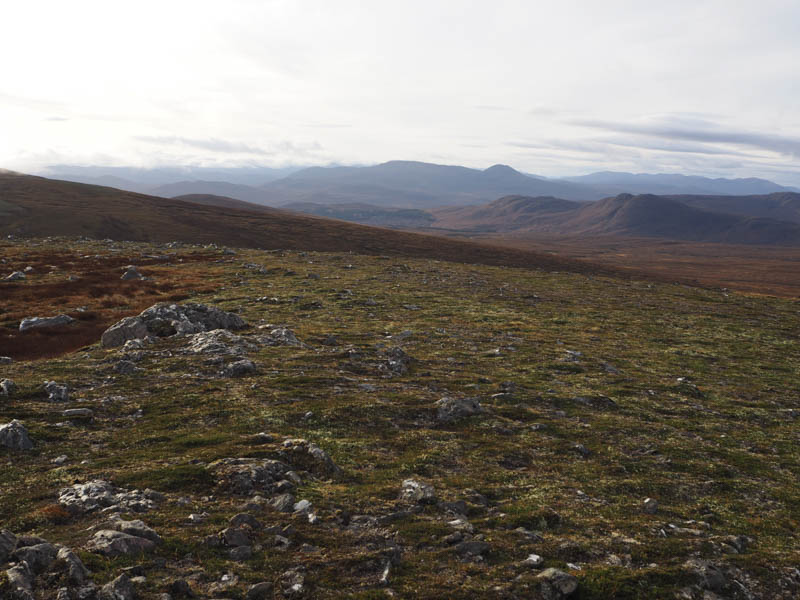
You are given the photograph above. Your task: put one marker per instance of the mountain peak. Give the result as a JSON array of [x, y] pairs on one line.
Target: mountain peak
[[500, 170]]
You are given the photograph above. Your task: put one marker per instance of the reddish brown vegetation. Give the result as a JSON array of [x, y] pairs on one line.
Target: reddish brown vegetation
[[97, 299]]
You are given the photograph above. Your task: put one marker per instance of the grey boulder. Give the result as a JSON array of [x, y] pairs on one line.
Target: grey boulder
[[164, 320], [43, 322], [452, 409], [14, 436], [109, 542]]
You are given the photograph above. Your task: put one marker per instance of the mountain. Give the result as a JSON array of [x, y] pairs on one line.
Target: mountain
[[782, 206], [147, 178], [410, 184], [613, 183], [644, 215], [36, 206]]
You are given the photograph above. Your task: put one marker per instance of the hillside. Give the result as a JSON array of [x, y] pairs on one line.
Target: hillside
[[35, 206], [781, 206], [243, 193], [366, 214], [505, 214], [623, 215], [378, 427]]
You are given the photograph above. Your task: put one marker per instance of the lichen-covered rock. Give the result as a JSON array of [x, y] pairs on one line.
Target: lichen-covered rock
[[556, 584], [306, 456], [14, 436], [15, 276], [8, 541], [164, 320], [119, 589], [7, 387], [239, 368], [417, 491], [131, 273], [219, 341], [109, 542], [56, 392], [248, 476], [68, 562], [43, 322], [136, 528], [99, 494], [39, 556], [452, 409]]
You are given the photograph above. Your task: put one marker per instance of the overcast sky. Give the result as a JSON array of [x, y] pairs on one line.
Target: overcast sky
[[550, 87]]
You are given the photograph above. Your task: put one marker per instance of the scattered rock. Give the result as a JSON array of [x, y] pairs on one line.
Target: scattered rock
[[8, 541], [239, 368], [39, 556], [533, 561], [245, 519], [417, 491], [99, 494], [15, 276], [650, 506], [43, 322], [164, 320], [452, 409], [67, 561], [131, 273], [556, 584], [119, 589], [56, 392], [248, 476], [6, 360], [235, 536], [283, 502], [307, 456], [109, 542], [397, 362], [241, 553], [219, 341], [78, 413], [135, 528], [260, 591], [7, 387], [14, 436]]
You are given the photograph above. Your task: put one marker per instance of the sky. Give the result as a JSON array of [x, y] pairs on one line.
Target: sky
[[561, 87]]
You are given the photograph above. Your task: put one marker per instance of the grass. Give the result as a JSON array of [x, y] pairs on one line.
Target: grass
[[717, 447]]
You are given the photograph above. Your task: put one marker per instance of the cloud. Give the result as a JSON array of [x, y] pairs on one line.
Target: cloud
[[226, 147], [692, 129]]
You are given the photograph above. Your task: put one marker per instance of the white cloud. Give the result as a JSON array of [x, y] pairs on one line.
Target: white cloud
[[313, 81]]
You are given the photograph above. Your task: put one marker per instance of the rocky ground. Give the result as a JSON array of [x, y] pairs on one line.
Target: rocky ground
[[308, 425]]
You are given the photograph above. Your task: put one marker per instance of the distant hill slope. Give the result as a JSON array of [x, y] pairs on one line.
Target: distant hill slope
[[224, 202], [409, 184], [367, 214], [614, 183], [35, 206], [505, 214], [235, 191], [782, 206], [628, 215]]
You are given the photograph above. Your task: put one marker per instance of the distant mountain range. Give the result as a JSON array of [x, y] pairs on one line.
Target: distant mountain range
[[398, 184], [692, 218]]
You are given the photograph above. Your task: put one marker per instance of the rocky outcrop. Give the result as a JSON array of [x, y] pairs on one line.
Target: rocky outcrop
[[43, 322], [165, 320], [452, 409], [14, 436], [99, 494]]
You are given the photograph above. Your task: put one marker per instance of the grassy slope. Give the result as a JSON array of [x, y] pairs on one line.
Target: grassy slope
[[725, 452]]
